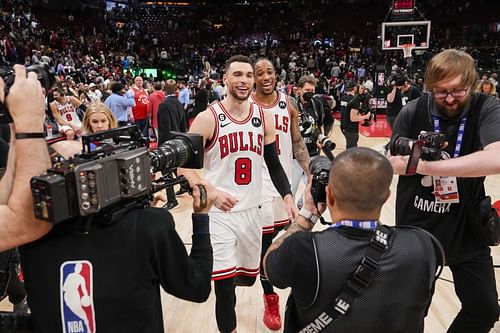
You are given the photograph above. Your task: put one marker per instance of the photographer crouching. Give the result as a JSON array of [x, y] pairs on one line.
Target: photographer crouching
[[350, 276], [101, 266]]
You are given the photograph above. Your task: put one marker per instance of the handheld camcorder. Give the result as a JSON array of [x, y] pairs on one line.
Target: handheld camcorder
[[427, 147], [46, 78], [114, 169]]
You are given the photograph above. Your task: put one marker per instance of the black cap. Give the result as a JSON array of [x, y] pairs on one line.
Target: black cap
[[350, 85]]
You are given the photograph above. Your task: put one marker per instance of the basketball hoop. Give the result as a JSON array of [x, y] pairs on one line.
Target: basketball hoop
[[407, 48]]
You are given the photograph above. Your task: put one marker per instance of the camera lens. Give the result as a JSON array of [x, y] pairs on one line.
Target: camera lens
[[171, 154], [400, 145]]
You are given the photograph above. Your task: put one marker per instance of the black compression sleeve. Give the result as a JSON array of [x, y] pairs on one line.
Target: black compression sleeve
[[276, 171]]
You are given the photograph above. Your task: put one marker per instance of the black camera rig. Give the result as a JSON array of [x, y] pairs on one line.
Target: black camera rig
[[46, 78], [427, 147], [113, 173]]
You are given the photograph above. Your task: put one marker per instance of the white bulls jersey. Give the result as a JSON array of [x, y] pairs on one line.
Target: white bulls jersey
[[282, 122], [68, 112], [235, 155]]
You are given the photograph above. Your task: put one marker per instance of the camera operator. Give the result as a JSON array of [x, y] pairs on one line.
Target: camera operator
[[108, 279], [350, 115], [402, 92], [327, 270], [470, 123], [28, 156]]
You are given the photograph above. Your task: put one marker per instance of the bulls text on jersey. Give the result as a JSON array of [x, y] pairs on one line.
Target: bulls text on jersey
[[240, 141]]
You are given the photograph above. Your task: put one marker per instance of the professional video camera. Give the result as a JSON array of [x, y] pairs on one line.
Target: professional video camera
[[46, 78], [428, 147], [113, 171]]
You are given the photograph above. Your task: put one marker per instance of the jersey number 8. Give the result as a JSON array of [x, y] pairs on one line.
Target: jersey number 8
[[243, 171]]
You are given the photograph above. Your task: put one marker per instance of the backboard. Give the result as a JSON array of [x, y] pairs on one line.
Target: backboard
[[394, 34]]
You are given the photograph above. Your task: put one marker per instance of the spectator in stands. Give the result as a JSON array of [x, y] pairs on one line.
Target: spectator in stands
[[183, 94], [94, 93], [119, 102], [157, 97], [140, 109], [487, 87], [201, 98]]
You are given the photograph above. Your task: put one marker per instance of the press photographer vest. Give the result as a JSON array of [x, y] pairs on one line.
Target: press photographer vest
[[399, 296], [415, 203]]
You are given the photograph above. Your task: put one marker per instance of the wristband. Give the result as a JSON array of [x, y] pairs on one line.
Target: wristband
[[308, 215], [37, 135]]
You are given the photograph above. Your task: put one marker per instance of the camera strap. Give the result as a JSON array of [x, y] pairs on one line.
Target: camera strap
[[361, 278]]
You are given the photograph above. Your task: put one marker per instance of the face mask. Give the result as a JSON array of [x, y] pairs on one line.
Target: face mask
[[307, 96]]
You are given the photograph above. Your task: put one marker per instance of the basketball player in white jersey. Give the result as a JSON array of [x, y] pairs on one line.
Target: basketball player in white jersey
[[289, 142], [238, 138], [64, 111]]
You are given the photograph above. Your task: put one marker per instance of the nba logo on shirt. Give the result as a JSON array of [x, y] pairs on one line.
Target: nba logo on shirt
[[77, 299]]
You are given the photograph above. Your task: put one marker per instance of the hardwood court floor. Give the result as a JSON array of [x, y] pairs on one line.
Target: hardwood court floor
[[181, 316]]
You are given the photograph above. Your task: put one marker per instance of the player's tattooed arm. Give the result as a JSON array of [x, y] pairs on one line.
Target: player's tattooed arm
[[299, 147]]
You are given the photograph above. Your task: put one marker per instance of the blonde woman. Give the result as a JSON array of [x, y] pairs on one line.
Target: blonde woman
[[487, 87], [98, 118]]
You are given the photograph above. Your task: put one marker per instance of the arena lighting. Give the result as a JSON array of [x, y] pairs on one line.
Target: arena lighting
[[167, 3]]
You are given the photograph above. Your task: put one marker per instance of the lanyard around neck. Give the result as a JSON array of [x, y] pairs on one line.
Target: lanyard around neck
[[358, 224], [460, 136]]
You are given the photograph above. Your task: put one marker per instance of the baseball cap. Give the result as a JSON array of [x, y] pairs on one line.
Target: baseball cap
[[349, 85]]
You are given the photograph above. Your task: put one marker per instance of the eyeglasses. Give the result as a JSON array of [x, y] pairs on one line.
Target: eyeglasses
[[455, 94]]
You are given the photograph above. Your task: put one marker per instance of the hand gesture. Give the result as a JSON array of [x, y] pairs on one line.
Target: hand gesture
[[225, 201], [290, 207]]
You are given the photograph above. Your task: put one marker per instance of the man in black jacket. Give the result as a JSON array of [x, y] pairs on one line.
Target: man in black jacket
[[171, 117], [108, 279]]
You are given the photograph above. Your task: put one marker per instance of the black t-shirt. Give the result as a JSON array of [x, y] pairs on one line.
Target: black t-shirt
[[347, 103], [120, 267], [406, 273], [415, 202], [410, 94], [396, 105]]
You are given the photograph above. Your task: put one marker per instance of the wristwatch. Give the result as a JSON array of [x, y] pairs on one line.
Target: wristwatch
[[309, 216]]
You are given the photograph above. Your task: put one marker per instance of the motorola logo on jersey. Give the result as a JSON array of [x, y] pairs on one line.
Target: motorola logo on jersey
[[282, 105], [240, 141], [256, 122], [77, 297]]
